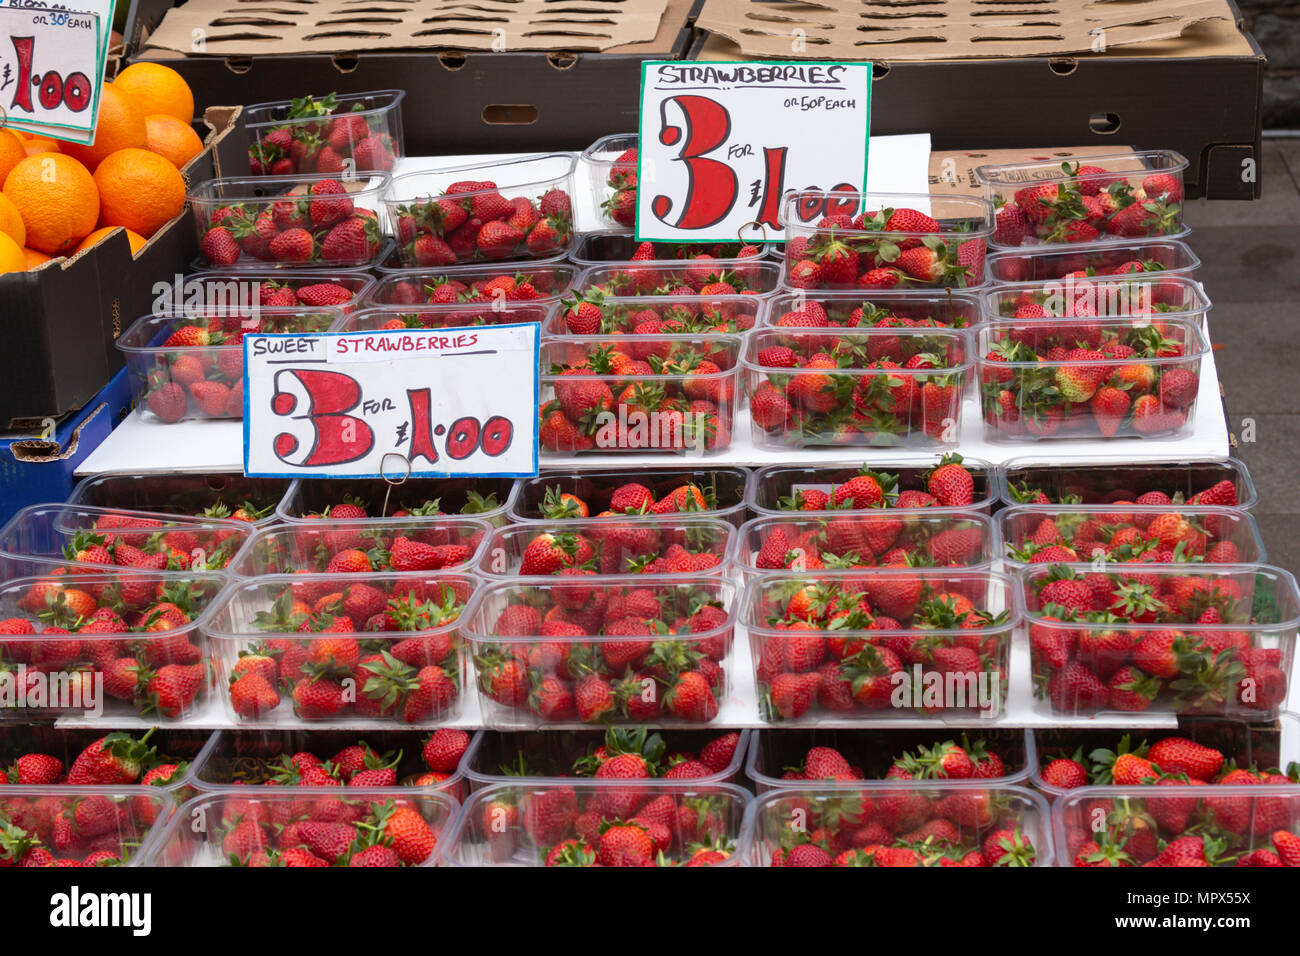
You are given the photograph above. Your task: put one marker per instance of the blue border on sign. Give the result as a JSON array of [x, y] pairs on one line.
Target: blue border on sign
[[537, 358]]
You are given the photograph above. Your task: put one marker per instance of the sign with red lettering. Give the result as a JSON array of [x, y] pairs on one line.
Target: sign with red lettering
[[451, 402], [722, 143]]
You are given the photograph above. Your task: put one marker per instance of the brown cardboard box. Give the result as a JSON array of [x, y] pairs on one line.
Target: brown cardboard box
[[61, 319], [457, 101], [1198, 93]]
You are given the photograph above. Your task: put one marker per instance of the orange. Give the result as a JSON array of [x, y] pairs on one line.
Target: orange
[[38, 144], [11, 255], [172, 139], [58, 200], [34, 258], [136, 240], [12, 150], [157, 89], [140, 190], [11, 221], [120, 126]]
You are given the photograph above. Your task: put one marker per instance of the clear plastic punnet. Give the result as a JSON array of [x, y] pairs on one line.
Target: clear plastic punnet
[[872, 825], [877, 241], [277, 826], [342, 648], [709, 756], [846, 759], [581, 823], [335, 133], [83, 826], [936, 308], [1037, 534], [1119, 197], [485, 212], [878, 644], [904, 483], [809, 541], [1221, 482], [224, 495], [667, 494], [1130, 638], [289, 221], [878, 387], [688, 547], [437, 543], [504, 285], [608, 650], [1166, 256], [311, 499], [1112, 378], [99, 646]]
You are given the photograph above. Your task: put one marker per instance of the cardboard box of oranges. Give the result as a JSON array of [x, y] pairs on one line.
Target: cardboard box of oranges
[[86, 232]]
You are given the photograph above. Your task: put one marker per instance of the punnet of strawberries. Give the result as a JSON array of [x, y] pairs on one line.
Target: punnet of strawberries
[[136, 635], [290, 221], [1109, 258], [353, 133], [439, 543], [1224, 484], [73, 826], [279, 826], [893, 641], [192, 366], [81, 539], [1172, 802], [823, 758], [336, 758], [285, 289], [636, 823], [476, 285], [592, 313], [619, 246], [615, 394], [575, 549], [936, 825], [229, 497], [717, 492], [952, 482], [1107, 198], [884, 310], [1078, 295], [614, 177], [856, 541], [888, 245], [694, 274], [39, 755], [882, 387], [1094, 378], [1046, 534], [1145, 636], [617, 753], [377, 646], [602, 649], [475, 219], [321, 499]]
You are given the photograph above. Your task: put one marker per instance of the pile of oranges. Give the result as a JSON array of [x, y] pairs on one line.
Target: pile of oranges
[[60, 198]]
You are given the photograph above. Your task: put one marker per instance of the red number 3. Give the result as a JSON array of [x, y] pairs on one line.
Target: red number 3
[[710, 184]]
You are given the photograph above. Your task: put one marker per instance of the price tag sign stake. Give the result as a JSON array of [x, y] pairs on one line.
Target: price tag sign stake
[[721, 144], [450, 402]]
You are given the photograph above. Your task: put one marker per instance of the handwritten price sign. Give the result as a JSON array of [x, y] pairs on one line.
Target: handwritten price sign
[[51, 71], [452, 402], [721, 143]]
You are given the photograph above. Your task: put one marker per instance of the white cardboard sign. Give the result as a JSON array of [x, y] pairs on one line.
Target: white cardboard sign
[[51, 70], [452, 402], [722, 143]]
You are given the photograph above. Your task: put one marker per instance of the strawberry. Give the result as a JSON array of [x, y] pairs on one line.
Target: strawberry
[[219, 247], [497, 239], [293, 245], [351, 242], [168, 402]]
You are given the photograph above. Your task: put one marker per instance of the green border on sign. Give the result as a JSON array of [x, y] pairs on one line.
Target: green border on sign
[[640, 153]]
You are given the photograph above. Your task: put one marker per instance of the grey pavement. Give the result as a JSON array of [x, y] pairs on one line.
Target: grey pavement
[[1251, 272]]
